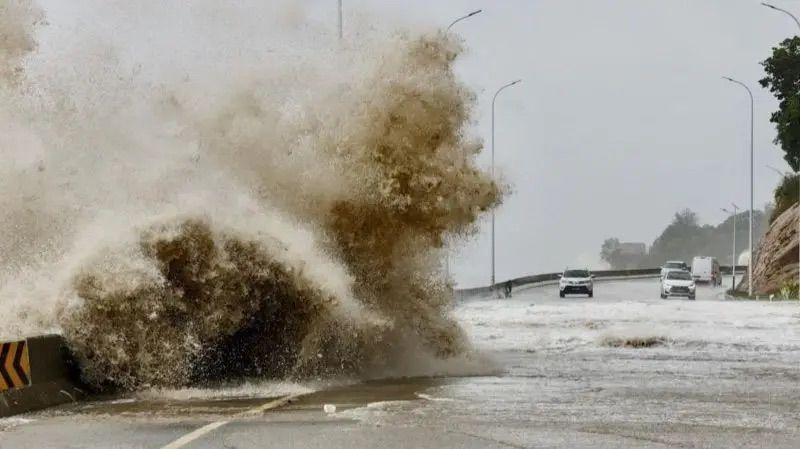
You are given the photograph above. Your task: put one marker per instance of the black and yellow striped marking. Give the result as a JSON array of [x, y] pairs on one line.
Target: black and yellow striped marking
[[15, 366]]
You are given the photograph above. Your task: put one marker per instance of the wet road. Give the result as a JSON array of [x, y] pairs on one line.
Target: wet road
[[623, 370]]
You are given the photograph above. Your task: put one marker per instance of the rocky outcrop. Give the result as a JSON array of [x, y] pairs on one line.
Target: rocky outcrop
[[776, 256]]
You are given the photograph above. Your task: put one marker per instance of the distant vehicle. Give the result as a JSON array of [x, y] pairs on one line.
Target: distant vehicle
[[678, 283], [706, 269], [576, 282], [673, 265]]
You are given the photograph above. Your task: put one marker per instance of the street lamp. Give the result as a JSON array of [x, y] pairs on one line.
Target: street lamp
[[493, 102], [447, 251], [733, 255], [341, 34], [787, 174], [462, 18], [783, 11], [752, 159]]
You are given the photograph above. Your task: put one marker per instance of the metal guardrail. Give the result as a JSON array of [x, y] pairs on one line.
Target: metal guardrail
[[547, 277]]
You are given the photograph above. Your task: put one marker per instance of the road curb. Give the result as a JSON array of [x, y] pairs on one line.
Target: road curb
[[42, 374]]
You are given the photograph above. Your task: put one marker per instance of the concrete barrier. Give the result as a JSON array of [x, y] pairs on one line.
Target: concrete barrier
[[38, 372], [551, 278]]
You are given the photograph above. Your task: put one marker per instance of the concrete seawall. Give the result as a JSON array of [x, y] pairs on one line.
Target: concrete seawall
[[38, 372]]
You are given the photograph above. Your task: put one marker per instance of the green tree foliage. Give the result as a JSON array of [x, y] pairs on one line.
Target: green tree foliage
[[783, 80], [786, 194]]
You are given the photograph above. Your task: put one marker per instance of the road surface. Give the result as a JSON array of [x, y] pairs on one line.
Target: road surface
[[623, 370]]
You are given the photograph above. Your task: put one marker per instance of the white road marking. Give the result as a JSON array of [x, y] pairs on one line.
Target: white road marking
[[189, 437], [208, 428]]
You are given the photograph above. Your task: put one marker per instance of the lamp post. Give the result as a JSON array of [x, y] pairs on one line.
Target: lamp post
[[341, 31], [733, 253], [494, 99], [752, 158], [447, 250], [462, 18], [787, 174], [783, 11]]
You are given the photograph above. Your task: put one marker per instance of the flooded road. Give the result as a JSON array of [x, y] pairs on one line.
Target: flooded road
[[715, 373], [622, 370]]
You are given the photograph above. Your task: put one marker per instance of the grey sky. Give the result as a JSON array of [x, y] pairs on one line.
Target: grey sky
[[622, 119]]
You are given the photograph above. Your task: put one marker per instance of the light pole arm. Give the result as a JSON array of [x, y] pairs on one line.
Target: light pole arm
[[750, 92], [780, 173], [502, 88], [783, 11], [462, 18], [494, 99]]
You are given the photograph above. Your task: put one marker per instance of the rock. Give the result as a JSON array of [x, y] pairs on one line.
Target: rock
[[776, 261]]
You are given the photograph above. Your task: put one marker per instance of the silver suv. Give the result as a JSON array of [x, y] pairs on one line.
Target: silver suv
[[576, 282]]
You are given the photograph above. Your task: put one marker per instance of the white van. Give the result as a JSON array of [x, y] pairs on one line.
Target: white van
[[706, 269]]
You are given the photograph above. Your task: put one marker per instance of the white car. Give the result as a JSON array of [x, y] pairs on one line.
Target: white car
[[576, 282], [673, 265], [678, 283]]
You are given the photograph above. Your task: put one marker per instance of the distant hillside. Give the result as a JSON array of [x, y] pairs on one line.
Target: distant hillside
[[684, 238]]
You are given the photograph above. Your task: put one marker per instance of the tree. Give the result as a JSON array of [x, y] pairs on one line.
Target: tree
[[680, 240], [785, 195], [609, 250], [783, 80], [684, 238], [685, 219]]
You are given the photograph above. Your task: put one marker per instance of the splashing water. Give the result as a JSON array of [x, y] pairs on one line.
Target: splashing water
[[244, 221]]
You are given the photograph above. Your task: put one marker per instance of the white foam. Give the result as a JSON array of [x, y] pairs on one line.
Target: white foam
[[252, 389]]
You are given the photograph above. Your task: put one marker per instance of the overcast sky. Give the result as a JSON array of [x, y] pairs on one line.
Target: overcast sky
[[622, 118]]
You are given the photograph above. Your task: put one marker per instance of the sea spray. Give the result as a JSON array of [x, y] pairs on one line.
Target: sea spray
[[186, 299], [271, 222], [18, 20]]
